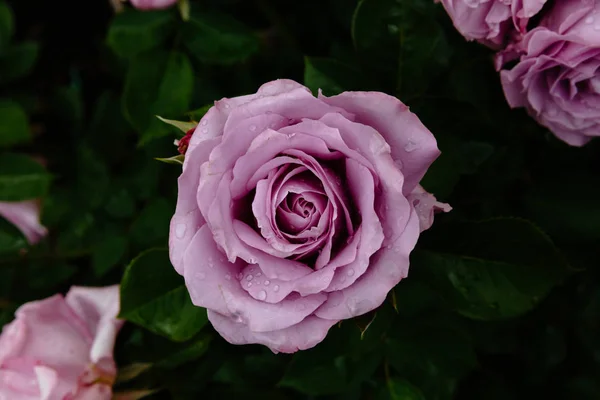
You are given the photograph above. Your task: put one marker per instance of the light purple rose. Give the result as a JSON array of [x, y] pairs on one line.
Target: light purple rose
[[492, 22], [61, 348], [25, 215], [296, 212], [152, 4], [557, 77]]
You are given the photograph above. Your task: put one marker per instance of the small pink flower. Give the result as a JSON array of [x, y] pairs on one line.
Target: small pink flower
[[152, 4], [25, 215], [61, 347]]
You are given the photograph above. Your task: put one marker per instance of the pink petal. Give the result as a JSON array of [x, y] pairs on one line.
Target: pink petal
[[25, 215]]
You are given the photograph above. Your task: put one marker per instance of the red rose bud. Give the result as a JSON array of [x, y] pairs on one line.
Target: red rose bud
[[184, 142]]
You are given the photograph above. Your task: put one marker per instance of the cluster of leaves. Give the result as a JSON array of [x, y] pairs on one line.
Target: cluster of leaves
[[503, 297]]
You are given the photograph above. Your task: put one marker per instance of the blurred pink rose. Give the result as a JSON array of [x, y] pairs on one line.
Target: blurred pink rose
[[296, 212], [61, 348], [557, 77], [25, 215], [492, 22], [152, 4]]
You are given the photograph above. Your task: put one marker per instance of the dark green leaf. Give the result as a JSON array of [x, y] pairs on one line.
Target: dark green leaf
[[218, 38], [11, 239], [157, 83], [108, 253], [400, 42], [329, 75], [197, 115], [154, 296], [6, 24], [22, 178], [492, 269], [92, 177], [14, 126], [120, 204], [133, 32], [151, 227], [400, 389], [18, 61]]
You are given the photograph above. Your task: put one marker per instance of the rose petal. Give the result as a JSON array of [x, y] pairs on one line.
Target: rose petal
[[25, 215], [304, 335]]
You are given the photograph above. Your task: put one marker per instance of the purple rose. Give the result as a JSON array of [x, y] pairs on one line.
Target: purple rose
[[557, 77], [152, 4], [25, 215], [492, 22], [296, 212]]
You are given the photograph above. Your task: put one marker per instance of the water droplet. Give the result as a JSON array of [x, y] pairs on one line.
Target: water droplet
[[200, 275], [589, 20], [226, 105], [267, 282], [259, 274], [180, 230], [252, 128], [227, 277], [249, 284], [204, 122], [261, 295], [252, 260], [389, 246], [249, 277], [411, 146], [204, 130], [350, 272], [240, 276], [276, 288]]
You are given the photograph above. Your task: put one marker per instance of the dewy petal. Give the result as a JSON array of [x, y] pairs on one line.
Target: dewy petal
[[426, 205], [302, 336], [412, 144], [387, 267], [25, 215], [212, 284], [187, 218]]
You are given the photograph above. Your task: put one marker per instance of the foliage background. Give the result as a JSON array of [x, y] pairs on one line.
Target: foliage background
[[503, 297]]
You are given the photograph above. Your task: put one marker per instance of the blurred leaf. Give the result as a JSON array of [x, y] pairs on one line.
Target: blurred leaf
[[93, 178], [132, 32], [22, 178], [120, 203], [107, 253], [14, 126], [195, 350], [401, 42], [157, 83], [11, 239], [76, 235], [181, 125], [492, 269], [154, 296], [177, 160], [196, 115], [217, 38], [18, 61], [433, 355], [6, 24], [331, 76], [45, 275], [400, 389], [131, 371], [151, 227]]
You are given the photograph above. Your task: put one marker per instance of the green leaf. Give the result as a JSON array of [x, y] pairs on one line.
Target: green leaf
[[217, 38], [133, 32], [92, 177], [120, 203], [181, 125], [11, 239], [18, 61], [14, 126], [400, 42], [151, 227], [194, 351], [197, 115], [107, 253], [22, 178], [492, 269], [154, 296], [6, 24], [400, 389], [157, 83], [432, 354], [177, 160], [329, 75]]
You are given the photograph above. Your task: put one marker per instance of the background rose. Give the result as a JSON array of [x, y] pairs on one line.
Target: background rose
[[25, 215], [152, 4], [61, 347], [295, 212], [491, 21], [557, 77]]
